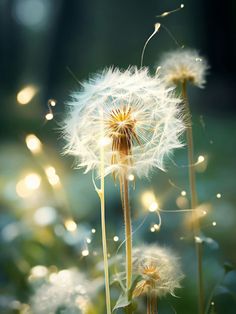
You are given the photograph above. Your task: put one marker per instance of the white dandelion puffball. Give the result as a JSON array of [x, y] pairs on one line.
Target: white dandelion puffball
[[134, 117], [65, 292], [184, 65], [159, 269]]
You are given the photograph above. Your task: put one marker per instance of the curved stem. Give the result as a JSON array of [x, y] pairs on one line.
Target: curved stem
[[193, 192]]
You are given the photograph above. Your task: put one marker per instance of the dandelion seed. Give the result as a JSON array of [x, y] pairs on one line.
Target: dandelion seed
[[184, 65]]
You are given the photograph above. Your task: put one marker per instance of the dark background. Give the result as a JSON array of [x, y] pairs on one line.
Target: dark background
[[39, 40]]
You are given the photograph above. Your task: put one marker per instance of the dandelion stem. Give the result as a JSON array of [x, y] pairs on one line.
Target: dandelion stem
[[149, 303], [193, 192], [128, 231], [101, 194], [154, 303]]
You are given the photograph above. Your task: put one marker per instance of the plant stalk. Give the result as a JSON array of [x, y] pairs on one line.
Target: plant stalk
[[101, 194], [154, 303], [149, 303], [128, 231], [193, 193]]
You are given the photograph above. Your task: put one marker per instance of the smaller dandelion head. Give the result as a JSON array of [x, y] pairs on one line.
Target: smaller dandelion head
[[159, 269], [184, 65]]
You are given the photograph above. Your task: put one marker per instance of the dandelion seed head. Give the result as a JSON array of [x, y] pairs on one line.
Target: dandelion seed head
[[137, 115], [184, 65], [67, 289], [159, 268]]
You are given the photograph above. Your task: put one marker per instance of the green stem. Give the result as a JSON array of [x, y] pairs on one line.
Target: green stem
[[128, 235], [101, 194], [128, 232], [194, 201]]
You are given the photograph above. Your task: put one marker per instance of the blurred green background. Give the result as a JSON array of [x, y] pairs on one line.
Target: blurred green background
[[49, 213]]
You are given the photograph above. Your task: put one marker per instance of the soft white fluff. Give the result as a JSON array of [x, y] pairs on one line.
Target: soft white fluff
[[155, 110], [159, 268], [65, 290], [184, 64]]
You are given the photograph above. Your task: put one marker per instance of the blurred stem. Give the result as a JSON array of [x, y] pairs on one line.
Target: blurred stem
[[101, 194], [193, 192], [149, 303], [154, 303]]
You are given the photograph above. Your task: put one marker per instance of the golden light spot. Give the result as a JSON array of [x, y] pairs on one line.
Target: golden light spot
[[153, 207], [26, 95], [39, 271], [21, 189], [50, 171], [200, 159], [93, 230], [85, 252], [49, 116], [88, 240], [115, 238], [70, 225], [214, 223], [218, 195], [52, 102], [33, 143], [152, 229], [32, 181], [182, 202], [53, 178], [149, 201], [183, 193], [157, 227], [131, 177]]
